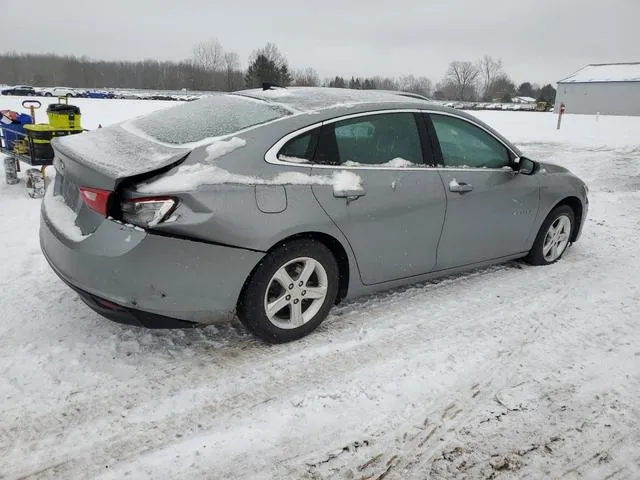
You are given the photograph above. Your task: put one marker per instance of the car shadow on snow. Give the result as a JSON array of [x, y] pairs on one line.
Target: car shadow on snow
[[232, 339]]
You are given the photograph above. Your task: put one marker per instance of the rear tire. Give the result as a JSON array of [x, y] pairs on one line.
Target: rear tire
[[554, 237], [290, 292]]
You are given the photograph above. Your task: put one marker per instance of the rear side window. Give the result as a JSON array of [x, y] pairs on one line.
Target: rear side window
[[208, 117], [300, 149], [389, 139]]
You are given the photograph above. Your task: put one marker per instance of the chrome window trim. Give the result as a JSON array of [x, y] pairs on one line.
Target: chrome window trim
[[271, 156]]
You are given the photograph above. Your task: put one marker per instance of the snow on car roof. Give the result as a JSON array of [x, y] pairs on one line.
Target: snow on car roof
[[309, 99], [606, 72]]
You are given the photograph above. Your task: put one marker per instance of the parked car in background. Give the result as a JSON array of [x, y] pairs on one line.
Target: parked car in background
[[99, 94], [278, 204], [23, 90], [63, 92]]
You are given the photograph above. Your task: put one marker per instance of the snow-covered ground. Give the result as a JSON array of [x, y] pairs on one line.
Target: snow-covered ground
[[508, 372]]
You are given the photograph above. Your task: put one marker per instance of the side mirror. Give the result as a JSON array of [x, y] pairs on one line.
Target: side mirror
[[526, 166]]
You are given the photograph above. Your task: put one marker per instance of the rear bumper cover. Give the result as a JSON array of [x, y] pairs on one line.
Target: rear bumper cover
[[121, 314], [135, 277]]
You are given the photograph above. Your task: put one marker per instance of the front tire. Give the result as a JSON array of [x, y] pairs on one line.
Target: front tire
[[290, 292], [554, 237]]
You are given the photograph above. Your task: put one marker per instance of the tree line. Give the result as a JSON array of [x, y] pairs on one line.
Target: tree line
[[212, 68], [486, 80]]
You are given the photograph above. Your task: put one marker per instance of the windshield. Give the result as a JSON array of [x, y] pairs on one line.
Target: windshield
[[212, 116]]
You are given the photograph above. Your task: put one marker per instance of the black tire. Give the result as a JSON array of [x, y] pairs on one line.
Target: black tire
[[536, 254], [48, 94], [251, 306]]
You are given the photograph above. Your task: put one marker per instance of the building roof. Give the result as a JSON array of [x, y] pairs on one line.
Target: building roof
[[606, 72], [523, 99]]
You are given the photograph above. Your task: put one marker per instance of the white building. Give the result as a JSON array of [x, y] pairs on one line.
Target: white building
[[611, 89]]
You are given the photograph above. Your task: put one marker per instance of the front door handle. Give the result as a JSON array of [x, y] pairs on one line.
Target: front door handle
[[459, 187]]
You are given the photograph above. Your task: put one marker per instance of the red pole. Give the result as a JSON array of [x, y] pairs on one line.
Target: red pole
[[560, 113]]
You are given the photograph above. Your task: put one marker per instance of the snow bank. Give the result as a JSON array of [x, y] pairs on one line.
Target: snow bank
[[62, 216], [190, 177], [220, 148]]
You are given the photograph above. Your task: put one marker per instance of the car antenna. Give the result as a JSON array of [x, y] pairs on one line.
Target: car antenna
[[269, 86]]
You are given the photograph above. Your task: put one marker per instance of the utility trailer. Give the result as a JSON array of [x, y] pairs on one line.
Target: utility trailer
[[24, 141]]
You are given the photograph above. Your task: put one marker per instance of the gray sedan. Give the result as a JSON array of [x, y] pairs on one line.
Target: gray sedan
[[276, 204]]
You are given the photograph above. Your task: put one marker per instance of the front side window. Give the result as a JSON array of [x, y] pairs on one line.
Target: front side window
[[466, 145], [390, 139]]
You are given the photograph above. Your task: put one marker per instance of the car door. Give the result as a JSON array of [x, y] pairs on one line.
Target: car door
[[392, 215], [490, 207]]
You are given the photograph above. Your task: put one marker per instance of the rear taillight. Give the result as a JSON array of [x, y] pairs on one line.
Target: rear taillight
[[148, 211], [96, 199]]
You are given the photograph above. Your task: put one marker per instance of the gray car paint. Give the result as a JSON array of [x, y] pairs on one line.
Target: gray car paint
[[152, 273], [395, 227], [492, 220], [201, 281]]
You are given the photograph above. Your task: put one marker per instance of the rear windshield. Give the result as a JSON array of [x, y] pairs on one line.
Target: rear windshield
[[208, 117]]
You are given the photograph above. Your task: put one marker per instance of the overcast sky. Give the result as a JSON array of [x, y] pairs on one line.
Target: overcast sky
[[538, 40]]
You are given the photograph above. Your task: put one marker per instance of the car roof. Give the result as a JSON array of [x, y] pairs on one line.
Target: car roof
[[318, 104], [313, 99]]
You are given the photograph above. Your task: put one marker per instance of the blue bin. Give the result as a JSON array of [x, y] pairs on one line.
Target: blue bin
[[14, 131]]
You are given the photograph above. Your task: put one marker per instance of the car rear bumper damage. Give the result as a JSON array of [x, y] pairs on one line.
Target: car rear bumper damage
[[135, 277]]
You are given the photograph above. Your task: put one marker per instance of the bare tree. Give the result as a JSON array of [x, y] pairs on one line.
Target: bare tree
[[234, 75], [48, 70], [381, 83], [464, 76], [501, 88], [209, 55], [490, 69], [419, 85], [306, 78], [445, 90], [271, 53]]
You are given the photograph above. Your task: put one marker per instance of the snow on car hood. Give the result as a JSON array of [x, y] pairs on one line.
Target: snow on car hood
[[117, 152]]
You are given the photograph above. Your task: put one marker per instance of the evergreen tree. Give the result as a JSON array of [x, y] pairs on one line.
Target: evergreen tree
[[262, 70], [338, 82], [547, 94]]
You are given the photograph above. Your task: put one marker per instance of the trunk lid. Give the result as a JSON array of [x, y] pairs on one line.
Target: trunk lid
[[116, 153]]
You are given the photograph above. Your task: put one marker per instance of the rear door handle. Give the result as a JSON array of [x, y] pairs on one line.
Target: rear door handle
[[350, 195], [460, 187]]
